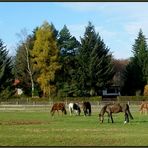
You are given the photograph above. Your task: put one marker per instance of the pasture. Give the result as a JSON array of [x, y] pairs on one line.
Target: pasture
[[34, 126]]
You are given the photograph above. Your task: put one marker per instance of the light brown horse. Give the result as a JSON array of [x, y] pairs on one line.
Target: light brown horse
[[144, 107], [57, 107], [115, 108]]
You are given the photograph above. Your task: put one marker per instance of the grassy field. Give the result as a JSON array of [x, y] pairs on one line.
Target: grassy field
[[20, 128]]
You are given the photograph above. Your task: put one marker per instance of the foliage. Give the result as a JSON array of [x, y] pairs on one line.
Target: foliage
[[96, 69], [46, 58], [6, 76], [23, 62], [146, 90], [68, 46], [119, 66], [132, 98], [135, 76]]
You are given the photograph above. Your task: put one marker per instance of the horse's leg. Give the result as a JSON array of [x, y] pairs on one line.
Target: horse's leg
[[126, 118], [111, 117], [53, 112], [108, 117], [84, 113]]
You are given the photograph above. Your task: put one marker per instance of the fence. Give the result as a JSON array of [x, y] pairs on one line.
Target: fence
[[46, 106]]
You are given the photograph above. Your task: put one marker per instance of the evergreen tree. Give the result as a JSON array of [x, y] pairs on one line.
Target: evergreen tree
[[87, 45], [101, 67], [96, 69], [6, 76], [46, 58], [136, 72], [68, 46]]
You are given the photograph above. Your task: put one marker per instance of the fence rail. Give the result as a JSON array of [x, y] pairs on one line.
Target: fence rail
[[45, 107]]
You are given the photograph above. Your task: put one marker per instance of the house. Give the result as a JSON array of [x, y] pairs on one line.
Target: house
[[110, 93], [19, 91]]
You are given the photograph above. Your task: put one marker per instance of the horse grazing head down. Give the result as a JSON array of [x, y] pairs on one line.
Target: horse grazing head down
[[144, 107], [57, 107], [115, 108], [87, 108], [74, 108]]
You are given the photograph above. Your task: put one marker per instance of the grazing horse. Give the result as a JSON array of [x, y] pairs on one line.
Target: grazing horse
[[57, 107], [74, 107], [87, 108], [115, 108], [144, 107]]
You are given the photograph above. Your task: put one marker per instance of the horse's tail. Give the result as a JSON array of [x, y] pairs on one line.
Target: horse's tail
[[90, 110], [128, 111]]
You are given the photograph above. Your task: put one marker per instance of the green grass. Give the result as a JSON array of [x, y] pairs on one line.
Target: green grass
[[40, 129]]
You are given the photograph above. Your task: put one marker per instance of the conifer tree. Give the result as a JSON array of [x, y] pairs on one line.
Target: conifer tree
[[96, 69], [135, 76], [68, 46], [6, 76]]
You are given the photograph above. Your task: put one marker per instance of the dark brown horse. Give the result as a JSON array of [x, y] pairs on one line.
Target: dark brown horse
[[115, 108], [57, 107], [144, 107], [87, 108]]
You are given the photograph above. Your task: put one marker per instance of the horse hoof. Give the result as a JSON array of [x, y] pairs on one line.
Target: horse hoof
[[125, 122]]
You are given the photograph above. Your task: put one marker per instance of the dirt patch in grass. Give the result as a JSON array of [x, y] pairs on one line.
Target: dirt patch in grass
[[22, 122]]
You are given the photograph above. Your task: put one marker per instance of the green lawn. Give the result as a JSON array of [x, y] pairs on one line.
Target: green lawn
[[40, 129]]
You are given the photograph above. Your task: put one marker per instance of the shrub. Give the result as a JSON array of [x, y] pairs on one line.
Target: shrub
[[145, 90]]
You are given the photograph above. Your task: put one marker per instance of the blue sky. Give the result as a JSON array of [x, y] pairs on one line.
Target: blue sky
[[118, 23]]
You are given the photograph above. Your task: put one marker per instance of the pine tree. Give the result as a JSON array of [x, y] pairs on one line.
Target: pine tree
[[6, 76], [96, 69], [101, 66], [136, 72], [68, 46], [87, 45], [46, 58]]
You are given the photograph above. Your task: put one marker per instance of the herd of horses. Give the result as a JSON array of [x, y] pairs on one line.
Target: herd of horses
[[110, 108]]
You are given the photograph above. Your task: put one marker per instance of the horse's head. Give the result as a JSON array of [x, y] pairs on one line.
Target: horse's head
[[101, 118], [79, 111]]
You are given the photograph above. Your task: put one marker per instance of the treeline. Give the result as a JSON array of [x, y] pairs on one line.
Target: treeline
[[51, 63]]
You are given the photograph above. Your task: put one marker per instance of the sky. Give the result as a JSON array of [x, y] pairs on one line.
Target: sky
[[118, 23]]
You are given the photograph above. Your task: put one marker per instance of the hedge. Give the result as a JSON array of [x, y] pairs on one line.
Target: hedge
[[132, 98]]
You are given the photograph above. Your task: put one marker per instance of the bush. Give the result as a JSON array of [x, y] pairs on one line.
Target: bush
[[132, 98], [145, 90]]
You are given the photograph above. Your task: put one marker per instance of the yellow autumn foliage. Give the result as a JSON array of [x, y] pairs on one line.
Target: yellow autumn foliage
[[146, 90], [46, 58]]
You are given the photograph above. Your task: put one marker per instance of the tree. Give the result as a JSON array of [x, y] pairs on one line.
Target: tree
[[87, 45], [101, 66], [135, 76], [6, 76], [119, 66], [23, 64], [46, 58], [68, 46], [96, 68]]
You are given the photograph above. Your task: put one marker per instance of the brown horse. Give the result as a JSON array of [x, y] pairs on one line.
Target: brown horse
[[57, 107], [115, 108], [144, 107], [87, 108]]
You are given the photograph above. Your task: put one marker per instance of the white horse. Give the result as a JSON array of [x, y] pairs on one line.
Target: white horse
[[74, 109]]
